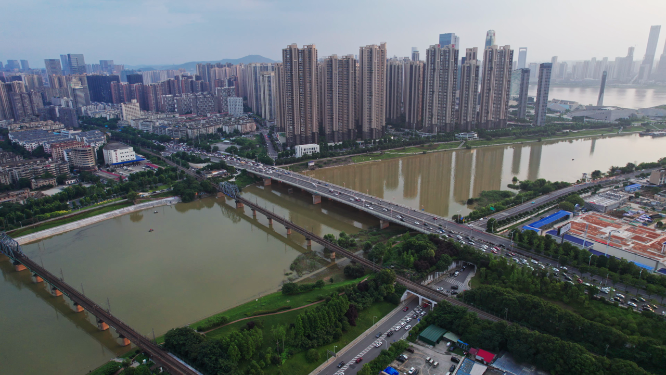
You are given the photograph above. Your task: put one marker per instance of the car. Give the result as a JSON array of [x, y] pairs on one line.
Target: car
[[580, 281], [452, 368], [402, 219], [428, 359], [453, 292], [397, 328], [351, 199], [417, 223], [342, 363], [641, 299], [434, 217], [455, 274], [423, 313], [410, 349], [455, 359], [564, 268], [454, 287], [406, 308], [413, 371], [631, 304], [440, 289], [401, 358], [389, 334], [435, 364], [408, 319], [484, 247], [633, 299], [378, 344], [408, 327], [402, 324], [359, 359], [379, 334], [619, 295], [495, 251]]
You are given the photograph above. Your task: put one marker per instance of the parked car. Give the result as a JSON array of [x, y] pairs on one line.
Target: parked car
[[406, 308], [379, 334], [342, 363], [454, 287], [389, 334], [359, 359], [410, 349], [435, 364]]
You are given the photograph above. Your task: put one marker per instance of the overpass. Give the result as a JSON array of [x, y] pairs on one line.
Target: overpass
[[10, 248], [422, 291]]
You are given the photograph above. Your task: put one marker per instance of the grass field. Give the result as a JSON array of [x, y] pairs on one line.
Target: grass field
[[69, 219], [298, 365], [273, 301]]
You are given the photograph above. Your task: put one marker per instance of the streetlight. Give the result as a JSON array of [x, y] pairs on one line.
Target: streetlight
[[373, 320], [609, 239], [590, 261]]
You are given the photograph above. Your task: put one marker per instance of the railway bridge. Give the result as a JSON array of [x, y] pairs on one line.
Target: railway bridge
[[231, 190], [104, 319]]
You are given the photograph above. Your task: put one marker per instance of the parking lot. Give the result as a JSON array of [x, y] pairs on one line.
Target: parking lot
[[418, 362]]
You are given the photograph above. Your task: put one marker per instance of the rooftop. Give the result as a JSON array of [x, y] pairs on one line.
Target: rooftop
[[628, 235], [115, 146]]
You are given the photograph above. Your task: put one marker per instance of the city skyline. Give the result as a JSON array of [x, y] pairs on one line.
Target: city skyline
[[169, 24]]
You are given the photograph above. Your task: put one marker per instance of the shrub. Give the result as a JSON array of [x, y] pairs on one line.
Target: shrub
[[312, 355]]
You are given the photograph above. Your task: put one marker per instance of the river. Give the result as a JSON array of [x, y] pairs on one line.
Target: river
[[203, 257], [441, 182], [616, 96]]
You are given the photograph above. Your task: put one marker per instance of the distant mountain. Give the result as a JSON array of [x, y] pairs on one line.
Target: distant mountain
[[192, 65]]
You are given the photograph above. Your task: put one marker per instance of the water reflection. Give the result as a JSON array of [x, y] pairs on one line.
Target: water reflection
[[534, 161], [441, 182], [135, 217], [515, 161]]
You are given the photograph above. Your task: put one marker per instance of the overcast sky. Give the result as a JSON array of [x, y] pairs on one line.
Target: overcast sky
[[172, 32]]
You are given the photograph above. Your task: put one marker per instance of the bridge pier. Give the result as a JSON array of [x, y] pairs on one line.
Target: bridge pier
[[288, 231], [316, 199], [19, 267], [332, 255], [77, 307], [308, 241], [239, 204], [383, 224], [124, 340], [220, 194], [254, 213], [270, 221], [36, 278], [101, 325], [267, 181], [56, 292]]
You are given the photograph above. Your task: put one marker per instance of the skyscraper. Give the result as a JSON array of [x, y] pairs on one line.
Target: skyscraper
[[523, 87], [541, 100], [469, 90], [64, 61], [372, 90], [626, 71], [413, 94], [134, 78], [415, 54], [490, 38], [602, 88], [556, 66], [252, 83], [77, 64], [522, 58], [25, 65], [439, 88], [337, 81], [99, 87], [53, 67], [394, 77], [495, 87], [449, 39], [661, 70], [267, 88], [106, 66], [298, 90], [13, 65], [651, 50]]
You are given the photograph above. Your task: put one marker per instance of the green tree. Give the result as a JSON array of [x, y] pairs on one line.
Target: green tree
[[312, 355], [320, 284], [566, 206], [132, 196]]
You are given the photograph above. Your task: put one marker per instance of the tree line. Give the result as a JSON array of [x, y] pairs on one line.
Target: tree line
[[548, 318], [548, 352]]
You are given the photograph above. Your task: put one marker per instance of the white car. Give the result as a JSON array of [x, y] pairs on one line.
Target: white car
[[402, 324], [411, 371], [408, 320], [378, 344], [408, 327]]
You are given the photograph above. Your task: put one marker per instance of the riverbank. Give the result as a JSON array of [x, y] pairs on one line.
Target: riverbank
[[26, 239], [502, 141]]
